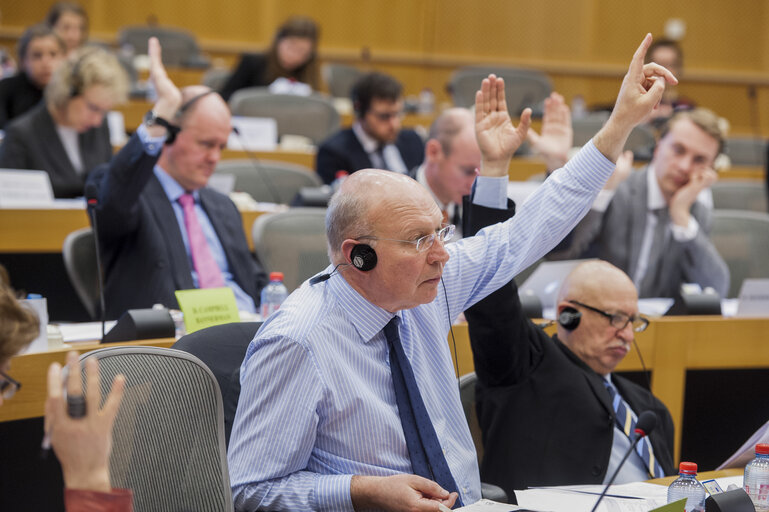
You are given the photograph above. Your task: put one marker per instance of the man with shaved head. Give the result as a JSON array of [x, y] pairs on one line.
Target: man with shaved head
[[548, 407], [160, 229], [349, 399]]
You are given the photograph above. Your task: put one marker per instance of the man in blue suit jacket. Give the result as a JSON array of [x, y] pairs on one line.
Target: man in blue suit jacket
[[376, 138], [142, 227]]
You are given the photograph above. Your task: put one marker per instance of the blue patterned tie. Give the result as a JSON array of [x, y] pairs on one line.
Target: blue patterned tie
[[425, 451], [626, 420]]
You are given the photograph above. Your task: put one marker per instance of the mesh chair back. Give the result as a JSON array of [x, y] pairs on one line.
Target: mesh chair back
[[292, 242], [739, 195], [79, 255], [467, 395], [313, 117], [168, 438], [523, 87], [641, 140], [742, 239], [180, 48], [340, 79], [269, 181], [746, 150]]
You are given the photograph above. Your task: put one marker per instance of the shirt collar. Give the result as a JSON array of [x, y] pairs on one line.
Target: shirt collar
[[369, 143], [171, 187], [654, 200], [367, 318]]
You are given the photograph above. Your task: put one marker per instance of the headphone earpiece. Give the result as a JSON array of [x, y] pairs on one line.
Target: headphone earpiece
[[173, 132], [363, 257], [569, 318]]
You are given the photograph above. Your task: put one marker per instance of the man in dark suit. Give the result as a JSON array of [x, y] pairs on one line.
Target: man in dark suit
[[67, 135], [654, 226], [544, 405], [160, 229], [376, 138]]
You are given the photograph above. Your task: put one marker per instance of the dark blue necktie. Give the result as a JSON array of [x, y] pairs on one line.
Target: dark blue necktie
[[425, 451]]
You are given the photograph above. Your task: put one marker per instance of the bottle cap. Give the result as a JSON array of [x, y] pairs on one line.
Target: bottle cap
[[688, 467], [763, 449], [276, 276], [341, 174]]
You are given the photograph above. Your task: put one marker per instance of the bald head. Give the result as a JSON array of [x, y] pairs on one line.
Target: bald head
[[452, 156], [591, 279], [198, 98]]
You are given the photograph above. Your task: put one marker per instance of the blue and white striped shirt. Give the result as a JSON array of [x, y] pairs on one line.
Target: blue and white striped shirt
[[317, 403]]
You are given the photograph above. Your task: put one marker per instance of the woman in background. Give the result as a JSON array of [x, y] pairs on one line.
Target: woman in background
[[70, 22], [292, 55]]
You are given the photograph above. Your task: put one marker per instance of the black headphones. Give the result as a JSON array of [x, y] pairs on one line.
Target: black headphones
[[363, 257], [569, 318], [172, 133]]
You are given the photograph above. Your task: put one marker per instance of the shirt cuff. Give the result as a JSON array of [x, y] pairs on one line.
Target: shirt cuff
[[152, 145], [685, 233], [79, 500], [602, 200], [491, 192], [333, 492]]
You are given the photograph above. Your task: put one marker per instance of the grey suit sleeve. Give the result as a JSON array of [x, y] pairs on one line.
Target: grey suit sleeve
[[701, 262], [576, 243]]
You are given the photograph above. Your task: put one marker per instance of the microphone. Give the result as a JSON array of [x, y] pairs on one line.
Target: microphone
[[259, 170], [647, 420], [92, 202]]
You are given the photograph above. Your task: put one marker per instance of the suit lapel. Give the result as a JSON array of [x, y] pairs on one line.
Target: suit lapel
[[593, 380], [638, 201], [358, 154], [219, 216], [165, 220], [60, 162]]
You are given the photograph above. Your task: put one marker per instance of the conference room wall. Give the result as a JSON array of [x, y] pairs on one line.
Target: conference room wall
[[583, 44]]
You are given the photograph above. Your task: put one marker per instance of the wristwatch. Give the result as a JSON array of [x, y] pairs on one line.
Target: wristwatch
[[152, 119]]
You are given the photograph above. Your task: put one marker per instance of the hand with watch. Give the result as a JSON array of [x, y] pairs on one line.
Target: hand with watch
[[169, 96]]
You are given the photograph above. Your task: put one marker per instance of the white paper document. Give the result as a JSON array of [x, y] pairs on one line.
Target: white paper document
[[747, 451]]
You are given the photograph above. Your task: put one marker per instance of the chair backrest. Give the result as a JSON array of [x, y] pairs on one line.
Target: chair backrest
[[222, 348], [269, 181], [340, 78], [739, 195], [523, 87], [746, 150], [215, 78], [742, 240], [641, 140], [314, 117], [467, 395], [180, 48], [292, 242], [168, 438], [79, 253]]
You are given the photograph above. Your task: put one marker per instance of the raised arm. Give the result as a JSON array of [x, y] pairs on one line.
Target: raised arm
[[640, 92]]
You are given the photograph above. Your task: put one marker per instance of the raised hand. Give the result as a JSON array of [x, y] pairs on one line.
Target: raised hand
[[640, 92], [497, 138], [683, 199], [83, 445], [557, 134], [169, 97]]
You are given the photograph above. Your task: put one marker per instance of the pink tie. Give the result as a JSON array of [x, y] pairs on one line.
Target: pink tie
[[209, 275]]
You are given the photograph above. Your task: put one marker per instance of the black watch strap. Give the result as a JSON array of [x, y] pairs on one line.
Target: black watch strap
[[152, 119]]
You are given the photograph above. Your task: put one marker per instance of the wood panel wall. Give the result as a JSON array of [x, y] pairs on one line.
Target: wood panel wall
[[583, 44]]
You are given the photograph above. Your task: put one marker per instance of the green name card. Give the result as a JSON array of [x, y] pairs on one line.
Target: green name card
[[676, 506], [207, 307]]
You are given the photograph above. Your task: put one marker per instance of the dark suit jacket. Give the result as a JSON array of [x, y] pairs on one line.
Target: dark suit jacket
[[251, 72], [17, 95], [545, 416], [616, 236], [31, 142], [343, 152], [142, 247]]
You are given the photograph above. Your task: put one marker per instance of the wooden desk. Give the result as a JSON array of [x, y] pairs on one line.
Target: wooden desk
[[673, 345], [32, 371], [44, 231]]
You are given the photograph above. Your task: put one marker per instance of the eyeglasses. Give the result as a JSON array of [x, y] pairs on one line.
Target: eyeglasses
[[8, 385], [619, 320], [445, 234], [386, 116]]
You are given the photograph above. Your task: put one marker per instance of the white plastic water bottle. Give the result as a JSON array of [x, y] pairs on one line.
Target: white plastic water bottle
[[273, 295], [756, 480], [687, 486]]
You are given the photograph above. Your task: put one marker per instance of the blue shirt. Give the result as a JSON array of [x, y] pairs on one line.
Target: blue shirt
[[317, 403], [173, 190]]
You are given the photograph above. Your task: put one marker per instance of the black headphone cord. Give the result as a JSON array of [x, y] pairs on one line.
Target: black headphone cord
[[451, 330]]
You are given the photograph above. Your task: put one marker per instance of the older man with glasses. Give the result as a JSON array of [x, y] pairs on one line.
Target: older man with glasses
[[550, 409]]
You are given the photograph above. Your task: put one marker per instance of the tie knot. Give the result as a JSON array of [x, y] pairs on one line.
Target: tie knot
[[186, 200]]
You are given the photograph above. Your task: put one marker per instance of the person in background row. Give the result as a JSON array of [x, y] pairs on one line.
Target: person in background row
[[82, 444], [668, 53], [376, 139], [67, 136], [70, 22], [292, 55], [40, 52]]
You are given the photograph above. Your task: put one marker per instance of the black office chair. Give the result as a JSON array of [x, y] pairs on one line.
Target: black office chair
[[222, 348]]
